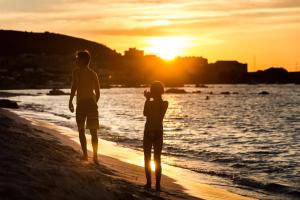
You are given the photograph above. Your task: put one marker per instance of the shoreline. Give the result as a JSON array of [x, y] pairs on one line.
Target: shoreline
[[117, 158], [35, 164]]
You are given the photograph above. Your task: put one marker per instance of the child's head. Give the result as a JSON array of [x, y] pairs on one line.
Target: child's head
[[157, 89], [83, 58]]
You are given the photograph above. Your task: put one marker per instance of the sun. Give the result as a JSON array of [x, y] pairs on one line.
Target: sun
[[167, 47]]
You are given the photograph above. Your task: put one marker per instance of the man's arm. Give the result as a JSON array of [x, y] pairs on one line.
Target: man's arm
[[97, 88], [73, 91]]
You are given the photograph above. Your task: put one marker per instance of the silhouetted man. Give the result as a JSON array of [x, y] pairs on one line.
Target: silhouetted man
[[85, 82]]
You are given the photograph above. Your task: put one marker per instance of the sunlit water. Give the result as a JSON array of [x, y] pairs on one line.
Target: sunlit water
[[252, 141]]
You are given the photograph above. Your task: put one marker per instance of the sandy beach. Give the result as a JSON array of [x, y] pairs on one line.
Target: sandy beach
[[40, 160]]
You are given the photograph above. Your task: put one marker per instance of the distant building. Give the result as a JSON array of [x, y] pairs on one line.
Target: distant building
[[224, 72], [133, 52], [40, 69], [192, 61], [28, 69], [3, 70], [230, 66]]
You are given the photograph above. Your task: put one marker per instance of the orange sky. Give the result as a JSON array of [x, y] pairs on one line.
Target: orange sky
[[268, 30]]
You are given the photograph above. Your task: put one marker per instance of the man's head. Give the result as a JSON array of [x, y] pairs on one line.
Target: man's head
[[83, 58], [157, 89]]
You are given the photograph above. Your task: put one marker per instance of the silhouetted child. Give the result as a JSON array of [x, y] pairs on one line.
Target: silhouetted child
[[85, 82], [155, 111]]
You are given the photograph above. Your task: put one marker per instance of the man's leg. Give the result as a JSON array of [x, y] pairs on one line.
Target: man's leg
[[80, 120], [93, 125], [95, 144], [83, 143]]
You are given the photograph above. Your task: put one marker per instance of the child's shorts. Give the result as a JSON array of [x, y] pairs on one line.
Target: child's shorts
[[87, 111]]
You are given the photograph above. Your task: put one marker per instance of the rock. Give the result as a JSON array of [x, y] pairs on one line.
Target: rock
[[13, 94], [235, 93], [175, 91], [197, 92], [264, 93], [201, 86], [105, 86], [56, 92], [226, 93], [5, 103]]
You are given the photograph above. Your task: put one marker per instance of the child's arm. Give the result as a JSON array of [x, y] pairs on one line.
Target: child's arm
[[165, 107], [146, 105]]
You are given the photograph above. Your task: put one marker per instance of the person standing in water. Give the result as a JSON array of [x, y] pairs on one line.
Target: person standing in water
[[154, 110], [86, 83]]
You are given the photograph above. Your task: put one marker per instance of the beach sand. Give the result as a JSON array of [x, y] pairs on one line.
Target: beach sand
[[40, 160]]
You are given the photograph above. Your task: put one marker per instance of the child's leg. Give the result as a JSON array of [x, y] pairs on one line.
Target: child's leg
[[157, 159], [94, 143], [147, 145]]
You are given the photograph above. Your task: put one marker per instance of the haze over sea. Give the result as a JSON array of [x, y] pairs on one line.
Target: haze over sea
[[250, 141]]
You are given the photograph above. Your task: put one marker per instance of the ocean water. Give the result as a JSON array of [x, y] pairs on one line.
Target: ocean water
[[251, 141]]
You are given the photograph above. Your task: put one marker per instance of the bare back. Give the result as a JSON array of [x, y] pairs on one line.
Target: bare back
[[155, 112], [86, 81]]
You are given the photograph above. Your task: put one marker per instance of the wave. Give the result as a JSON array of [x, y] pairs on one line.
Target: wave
[[231, 162], [62, 115], [252, 184], [270, 187], [33, 107]]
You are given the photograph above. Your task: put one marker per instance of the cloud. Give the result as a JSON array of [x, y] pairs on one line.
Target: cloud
[[215, 24], [151, 31], [139, 17], [30, 5]]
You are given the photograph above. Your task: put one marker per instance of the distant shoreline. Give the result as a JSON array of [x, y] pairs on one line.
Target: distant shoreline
[[143, 86]]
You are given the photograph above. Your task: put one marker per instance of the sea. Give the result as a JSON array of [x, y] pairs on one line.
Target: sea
[[232, 133]]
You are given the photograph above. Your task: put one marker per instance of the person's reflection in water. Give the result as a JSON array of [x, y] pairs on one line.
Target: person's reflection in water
[[154, 110], [85, 82]]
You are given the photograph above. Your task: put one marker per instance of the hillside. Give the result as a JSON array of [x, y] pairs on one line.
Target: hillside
[[43, 60], [17, 42]]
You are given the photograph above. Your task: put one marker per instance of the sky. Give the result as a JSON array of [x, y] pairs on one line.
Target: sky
[[262, 33]]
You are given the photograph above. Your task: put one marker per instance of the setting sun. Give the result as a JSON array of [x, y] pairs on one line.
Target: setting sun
[[168, 47]]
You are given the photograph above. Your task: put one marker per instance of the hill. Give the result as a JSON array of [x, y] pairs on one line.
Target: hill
[[17, 42], [43, 60]]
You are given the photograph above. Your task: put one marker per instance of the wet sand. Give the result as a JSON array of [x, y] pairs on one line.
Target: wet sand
[[53, 169]]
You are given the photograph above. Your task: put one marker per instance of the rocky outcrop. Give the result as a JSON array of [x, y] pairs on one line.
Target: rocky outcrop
[[56, 92], [5, 103], [175, 91]]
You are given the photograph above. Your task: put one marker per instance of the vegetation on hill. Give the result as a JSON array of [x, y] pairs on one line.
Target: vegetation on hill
[[17, 42]]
